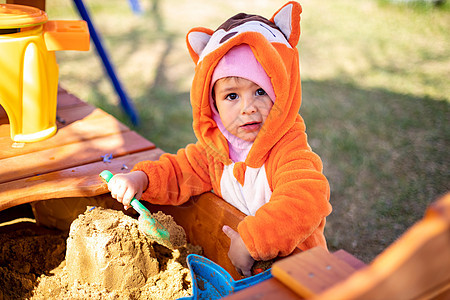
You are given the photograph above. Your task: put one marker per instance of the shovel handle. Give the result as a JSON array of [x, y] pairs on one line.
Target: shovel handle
[[161, 232], [141, 209]]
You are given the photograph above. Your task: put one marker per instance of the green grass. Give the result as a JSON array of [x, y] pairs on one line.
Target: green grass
[[376, 97], [385, 155]]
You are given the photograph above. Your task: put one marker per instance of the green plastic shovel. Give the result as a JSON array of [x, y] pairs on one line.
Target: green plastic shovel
[[147, 224]]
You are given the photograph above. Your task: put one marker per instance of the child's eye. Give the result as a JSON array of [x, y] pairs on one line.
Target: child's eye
[[232, 96], [260, 92]]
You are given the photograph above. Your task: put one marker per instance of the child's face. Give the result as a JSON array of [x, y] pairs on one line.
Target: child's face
[[243, 106]]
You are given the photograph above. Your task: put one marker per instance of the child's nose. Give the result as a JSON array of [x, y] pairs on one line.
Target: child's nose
[[248, 105]]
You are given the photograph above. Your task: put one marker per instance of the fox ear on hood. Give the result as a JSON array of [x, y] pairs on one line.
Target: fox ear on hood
[[196, 41], [287, 18]]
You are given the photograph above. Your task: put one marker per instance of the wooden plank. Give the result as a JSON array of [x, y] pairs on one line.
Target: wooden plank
[[36, 3], [275, 289], [94, 123], [66, 99], [2, 115], [70, 109], [202, 218], [68, 115], [438, 292], [270, 289], [79, 181], [5, 134], [416, 266], [71, 155], [311, 272], [349, 259]]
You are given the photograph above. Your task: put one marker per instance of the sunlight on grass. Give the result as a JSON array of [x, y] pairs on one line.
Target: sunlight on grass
[[375, 96], [391, 47]]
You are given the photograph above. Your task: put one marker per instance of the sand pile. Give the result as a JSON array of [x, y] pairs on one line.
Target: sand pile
[[26, 252], [106, 247], [108, 257]]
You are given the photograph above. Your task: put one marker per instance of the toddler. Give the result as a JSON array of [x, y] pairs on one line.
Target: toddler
[[252, 148]]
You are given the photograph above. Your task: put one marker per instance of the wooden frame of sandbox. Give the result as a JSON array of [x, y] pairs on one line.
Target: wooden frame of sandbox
[[202, 217]]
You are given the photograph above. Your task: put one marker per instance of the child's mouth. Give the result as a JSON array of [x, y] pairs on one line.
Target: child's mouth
[[251, 126]]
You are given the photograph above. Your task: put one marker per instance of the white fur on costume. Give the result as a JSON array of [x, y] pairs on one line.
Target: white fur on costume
[[248, 198]]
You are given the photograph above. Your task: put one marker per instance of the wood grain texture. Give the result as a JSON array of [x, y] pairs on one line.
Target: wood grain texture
[[416, 266], [270, 289], [36, 3], [82, 123], [79, 181], [72, 155], [311, 272], [275, 289], [202, 218], [67, 164]]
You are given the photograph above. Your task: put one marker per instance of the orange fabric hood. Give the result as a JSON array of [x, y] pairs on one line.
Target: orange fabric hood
[[274, 44]]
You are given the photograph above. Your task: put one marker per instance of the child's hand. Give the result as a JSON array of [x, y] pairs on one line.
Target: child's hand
[[124, 187], [238, 253]]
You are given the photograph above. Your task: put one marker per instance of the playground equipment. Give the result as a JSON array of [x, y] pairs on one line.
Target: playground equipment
[[29, 74]]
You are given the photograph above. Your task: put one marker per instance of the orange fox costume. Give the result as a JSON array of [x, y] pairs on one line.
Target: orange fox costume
[[280, 171]]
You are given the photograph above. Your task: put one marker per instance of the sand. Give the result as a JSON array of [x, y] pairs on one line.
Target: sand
[[104, 256]]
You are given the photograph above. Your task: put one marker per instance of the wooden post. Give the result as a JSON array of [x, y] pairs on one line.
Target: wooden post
[[35, 3]]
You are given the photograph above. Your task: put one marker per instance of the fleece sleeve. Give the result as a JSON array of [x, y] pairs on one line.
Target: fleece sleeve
[[173, 179], [295, 214]]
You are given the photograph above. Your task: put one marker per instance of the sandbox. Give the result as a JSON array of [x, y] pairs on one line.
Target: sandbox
[[104, 256]]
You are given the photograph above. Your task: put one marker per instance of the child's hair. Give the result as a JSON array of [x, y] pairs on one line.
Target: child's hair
[[213, 96]]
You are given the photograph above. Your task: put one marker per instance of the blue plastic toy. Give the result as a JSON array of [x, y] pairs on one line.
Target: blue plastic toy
[[210, 281]]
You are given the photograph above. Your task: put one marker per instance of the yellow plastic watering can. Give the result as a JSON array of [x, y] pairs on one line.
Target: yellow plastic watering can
[[28, 68]]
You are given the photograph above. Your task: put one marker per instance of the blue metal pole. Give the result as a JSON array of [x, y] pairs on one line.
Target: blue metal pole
[[126, 104], [136, 6]]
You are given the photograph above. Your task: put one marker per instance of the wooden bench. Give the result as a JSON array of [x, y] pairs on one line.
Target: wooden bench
[[68, 163]]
